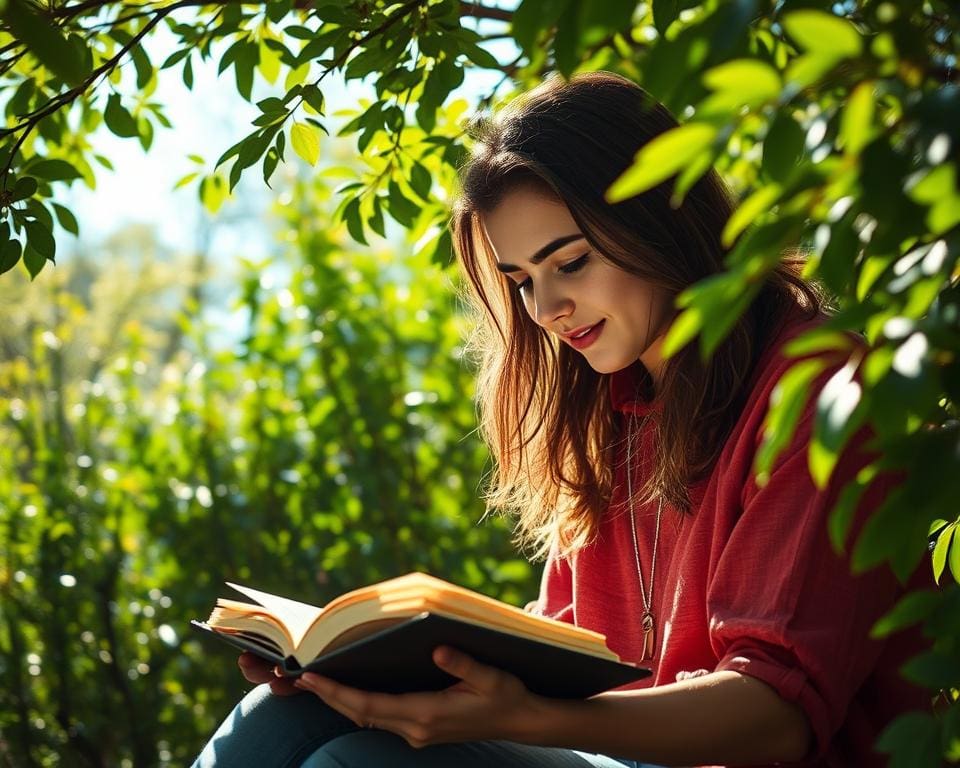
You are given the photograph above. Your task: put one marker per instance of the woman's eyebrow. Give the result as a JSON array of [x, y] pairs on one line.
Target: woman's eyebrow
[[542, 253]]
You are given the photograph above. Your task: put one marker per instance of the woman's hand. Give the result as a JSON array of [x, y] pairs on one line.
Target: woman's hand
[[258, 670], [486, 703]]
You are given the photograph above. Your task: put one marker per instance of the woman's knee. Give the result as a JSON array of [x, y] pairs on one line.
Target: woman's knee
[[271, 731], [361, 749]]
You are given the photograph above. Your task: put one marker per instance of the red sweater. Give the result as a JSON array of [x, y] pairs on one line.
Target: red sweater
[[747, 582]]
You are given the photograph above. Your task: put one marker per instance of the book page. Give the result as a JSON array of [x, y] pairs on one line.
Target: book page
[[297, 617]]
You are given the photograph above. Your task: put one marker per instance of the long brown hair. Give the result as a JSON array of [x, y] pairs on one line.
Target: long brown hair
[[554, 455]]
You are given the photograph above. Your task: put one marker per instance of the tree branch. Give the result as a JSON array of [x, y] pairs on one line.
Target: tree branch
[[68, 97], [474, 9], [478, 11]]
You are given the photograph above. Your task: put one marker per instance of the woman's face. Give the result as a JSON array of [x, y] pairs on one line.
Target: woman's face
[[613, 318]]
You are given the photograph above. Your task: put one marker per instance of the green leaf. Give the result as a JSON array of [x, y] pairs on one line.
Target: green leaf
[[837, 263], [145, 132], [934, 669], [662, 158], [175, 57], [305, 140], [270, 161], [421, 181], [909, 610], [954, 561], [40, 238], [819, 340], [941, 550], [314, 97], [251, 149], [400, 206], [66, 219], [665, 12], [823, 33], [568, 41], [271, 104], [143, 66], [118, 119], [375, 222], [856, 125], [443, 250], [54, 170], [351, 215], [184, 180], [787, 401], [278, 9], [837, 416], [895, 533], [24, 187], [782, 147], [33, 261], [10, 253], [300, 32], [690, 176], [480, 56], [914, 740], [841, 516], [245, 62], [19, 103], [749, 210], [683, 330], [212, 192], [749, 82], [44, 40], [532, 16], [34, 209]]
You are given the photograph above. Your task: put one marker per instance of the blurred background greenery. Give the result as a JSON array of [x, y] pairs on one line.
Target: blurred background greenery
[[328, 442]]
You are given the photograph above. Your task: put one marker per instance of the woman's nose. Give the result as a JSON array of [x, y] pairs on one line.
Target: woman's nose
[[550, 305]]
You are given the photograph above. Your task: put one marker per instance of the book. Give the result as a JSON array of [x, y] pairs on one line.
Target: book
[[381, 638]]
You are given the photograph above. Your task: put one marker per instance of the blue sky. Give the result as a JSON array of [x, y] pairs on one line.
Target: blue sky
[[207, 119]]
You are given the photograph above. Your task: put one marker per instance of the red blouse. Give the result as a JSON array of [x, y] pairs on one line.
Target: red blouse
[[748, 582]]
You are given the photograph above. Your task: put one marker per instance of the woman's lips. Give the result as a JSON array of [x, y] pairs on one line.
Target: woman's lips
[[582, 342]]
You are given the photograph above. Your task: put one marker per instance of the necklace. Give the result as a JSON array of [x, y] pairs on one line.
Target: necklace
[[647, 623]]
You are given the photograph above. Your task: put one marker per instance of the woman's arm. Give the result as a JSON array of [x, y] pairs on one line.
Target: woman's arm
[[723, 717], [720, 718]]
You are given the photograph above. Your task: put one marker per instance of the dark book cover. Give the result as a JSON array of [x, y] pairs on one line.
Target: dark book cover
[[399, 659]]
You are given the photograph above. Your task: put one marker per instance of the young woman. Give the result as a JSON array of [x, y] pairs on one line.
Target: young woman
[[634, 475]]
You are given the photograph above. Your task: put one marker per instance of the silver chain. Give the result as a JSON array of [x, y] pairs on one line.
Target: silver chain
[[648, 597]]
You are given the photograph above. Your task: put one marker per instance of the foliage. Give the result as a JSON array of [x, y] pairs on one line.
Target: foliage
[[837, 124], [331, 447]]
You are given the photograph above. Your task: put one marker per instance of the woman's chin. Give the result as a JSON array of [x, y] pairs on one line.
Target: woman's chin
[[608, 364]]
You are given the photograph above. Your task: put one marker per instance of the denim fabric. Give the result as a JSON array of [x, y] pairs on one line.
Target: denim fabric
[[267, 731]]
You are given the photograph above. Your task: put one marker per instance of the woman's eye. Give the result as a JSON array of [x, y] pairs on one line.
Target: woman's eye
[[569, 268], [576, 265]]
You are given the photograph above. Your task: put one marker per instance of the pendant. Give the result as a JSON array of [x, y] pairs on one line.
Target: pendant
[[647, 625]]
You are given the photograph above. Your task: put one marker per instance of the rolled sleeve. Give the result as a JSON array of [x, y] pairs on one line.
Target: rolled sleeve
[[783, 606]]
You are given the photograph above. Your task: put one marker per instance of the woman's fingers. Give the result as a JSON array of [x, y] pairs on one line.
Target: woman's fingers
[[469, 709], [476, 675], [258, 670], [360, 706], [255, 669]]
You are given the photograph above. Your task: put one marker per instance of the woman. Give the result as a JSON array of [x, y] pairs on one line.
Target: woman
[[634, 474]]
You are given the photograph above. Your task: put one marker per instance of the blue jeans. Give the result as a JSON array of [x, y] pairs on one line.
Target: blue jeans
[[267, 731]]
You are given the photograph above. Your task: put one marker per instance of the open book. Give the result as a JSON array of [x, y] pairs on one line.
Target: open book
[[382, 637]]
